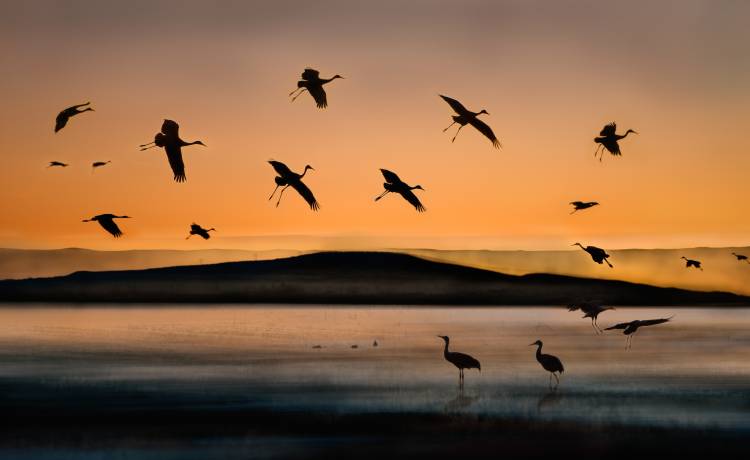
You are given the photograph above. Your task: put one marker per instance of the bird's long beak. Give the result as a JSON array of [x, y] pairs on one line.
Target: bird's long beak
[[532, 344]]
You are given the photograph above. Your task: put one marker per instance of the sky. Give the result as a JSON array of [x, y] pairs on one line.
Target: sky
[[550, 74]]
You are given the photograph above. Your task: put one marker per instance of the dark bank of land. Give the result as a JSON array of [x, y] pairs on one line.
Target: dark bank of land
[[371, 278]]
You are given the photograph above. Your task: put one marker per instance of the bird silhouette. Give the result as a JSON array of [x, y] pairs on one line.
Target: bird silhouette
[[312, 82], [465, 116], [460, 360], [581, 205], [64, 116], [741, 257], [57, 163], [287, 178], [551, 364], [630, 328], [692, 263], [590, 310], [107, 221], [599, 255], [375, 343], [169, 138], [196, 229], [99, 164], [608, 140], [394, 184]]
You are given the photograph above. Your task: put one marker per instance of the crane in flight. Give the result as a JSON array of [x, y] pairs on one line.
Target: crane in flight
[[58, 164], [598, 255], [692, 263], [313, 84], [107, 221], [590, 310], [608, 140], [466, 116], [62, 118], [99, 164], [196, 229], [460, 360], [169, 139], [394, 184], [286, 178], [581, 205], [630, 328], [741, 257], [551, 364]]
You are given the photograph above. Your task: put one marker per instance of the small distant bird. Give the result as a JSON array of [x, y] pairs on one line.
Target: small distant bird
[[99, 164], [312, 82], [630, 328], [551, 364], [590, 310], [465, 116], [460, 360], [599, 255], [57, 163], [581, 205], [354, 347], [608, 140], [394, 184], [739, 257], [375, 343], [107, 222], [169, 138], [64, 116], [317, 347], [287, 178], [692, 263], [196, 229]]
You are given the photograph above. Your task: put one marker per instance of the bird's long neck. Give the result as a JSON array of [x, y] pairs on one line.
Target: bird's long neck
[[323, 81], [539, 351], [184, 144], [445, 350], [623, 136], [304, 172]]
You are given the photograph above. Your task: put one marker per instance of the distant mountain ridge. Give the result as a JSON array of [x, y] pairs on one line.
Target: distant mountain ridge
[[346, 278]]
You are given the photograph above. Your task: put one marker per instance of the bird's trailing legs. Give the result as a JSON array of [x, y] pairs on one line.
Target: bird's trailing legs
[[298, 94], [593, 324], [449, 126], [147, 146], [610, 265], [280, 195], [382, 195], [459, 130], [274, 192]]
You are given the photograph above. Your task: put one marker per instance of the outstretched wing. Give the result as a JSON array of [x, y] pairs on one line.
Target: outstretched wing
[[310, 74], [618, 326], [651, 322], [483, 128], [608, 130], [455, 105], [110, 226], [612, 146], [170, 128], [390, 176], [280, 168], [319, 94], [61, 120], [577, 203], [412, 198], [174, 155], [306, 193], [195, 227]]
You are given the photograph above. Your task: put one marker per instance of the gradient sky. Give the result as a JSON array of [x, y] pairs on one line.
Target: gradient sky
[[550, 73]]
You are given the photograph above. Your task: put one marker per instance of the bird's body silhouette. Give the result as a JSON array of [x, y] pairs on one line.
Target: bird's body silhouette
[[99, 164], [169, 139], [287, 178], [196, 229], [741, 258], [64, 116], [57, 163], [460, 360], [312, 83], [598, 255], [107, 221], [608, 139], [394, 184], [581, 205], [465, 116], [590, 310], [692, 263], [551, 364], [630, 328]]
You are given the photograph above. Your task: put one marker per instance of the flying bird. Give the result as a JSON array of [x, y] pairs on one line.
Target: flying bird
[[599, 255], [394, 184], [692, 263], [312, 82], [741, 257], [99, 164], [608, 140], [57, 163], [196, 229], [551, 364], [460, 360], [64, 116], [107, 221], [581, 205], [169, 138], [630, 328], [590, 310], [287, 178], [465, 116]]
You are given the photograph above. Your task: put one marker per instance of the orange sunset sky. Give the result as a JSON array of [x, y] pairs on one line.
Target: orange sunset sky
[[550, 74]]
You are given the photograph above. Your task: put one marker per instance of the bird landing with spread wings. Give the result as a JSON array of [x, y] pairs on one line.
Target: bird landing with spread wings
[[313, 84], [598, 255], [169, 139], [394, 184], [64, 116], [196, 229], [631, 327], [465, 116], [107, 221], [286, 178], [692, 263], [608, 140]]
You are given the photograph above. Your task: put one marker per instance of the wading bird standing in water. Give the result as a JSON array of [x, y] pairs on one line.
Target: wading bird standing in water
[[692, 263], [57, 163], [99, 164], [287, 178], [312, 82], [196, 229], [460, 360], [608, 140], [599, 255], [581, 205], [590, 310], [550, 363], [169, 138], [107, 221], [631, 328], [394, 184], [741, 258], [64, 116], [465, 116]]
